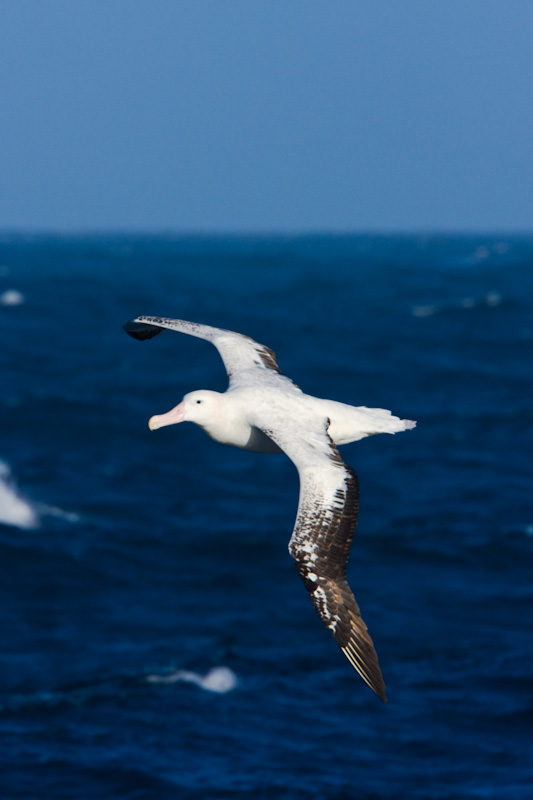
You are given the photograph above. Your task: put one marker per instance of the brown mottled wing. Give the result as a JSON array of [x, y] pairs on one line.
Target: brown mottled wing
[[238, 352], [321, 540]]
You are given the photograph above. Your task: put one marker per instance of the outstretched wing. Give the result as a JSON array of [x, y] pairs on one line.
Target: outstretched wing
[[239, 353], [321, 540]]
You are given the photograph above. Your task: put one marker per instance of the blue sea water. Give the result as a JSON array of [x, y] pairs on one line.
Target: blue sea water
[[157, 642]]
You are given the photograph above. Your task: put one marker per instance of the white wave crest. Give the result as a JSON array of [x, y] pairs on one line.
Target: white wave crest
[[14, 508], [59, 513], [20, 511], [219, 679], [11, 297], [491, 299]]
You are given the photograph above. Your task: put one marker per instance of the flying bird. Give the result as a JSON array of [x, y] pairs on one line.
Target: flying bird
[[264, 411]]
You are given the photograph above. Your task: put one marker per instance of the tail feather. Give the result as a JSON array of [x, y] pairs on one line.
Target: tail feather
[[351, 423], [379, 420]]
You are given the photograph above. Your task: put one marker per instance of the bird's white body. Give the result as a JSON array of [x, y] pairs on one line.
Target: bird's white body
[[264, 411], [230, 417]]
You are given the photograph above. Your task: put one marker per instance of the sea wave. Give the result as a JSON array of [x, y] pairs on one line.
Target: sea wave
[[491, 299], [11, 297], [219, 679], [14, 508], [18, 510]]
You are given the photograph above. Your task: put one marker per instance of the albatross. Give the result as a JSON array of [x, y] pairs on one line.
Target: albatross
[[264, 411]]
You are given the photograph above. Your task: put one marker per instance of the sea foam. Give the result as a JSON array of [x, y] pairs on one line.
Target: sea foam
[[11, 297], [219, 679], [491, 299], [20, 511], [15, 509]]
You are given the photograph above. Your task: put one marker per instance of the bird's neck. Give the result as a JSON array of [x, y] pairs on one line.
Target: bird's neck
[[228, 426]]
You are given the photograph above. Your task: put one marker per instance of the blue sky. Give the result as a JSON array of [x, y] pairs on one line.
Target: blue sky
[[266, 115]]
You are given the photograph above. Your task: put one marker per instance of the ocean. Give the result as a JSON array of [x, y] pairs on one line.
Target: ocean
[[157, 642]]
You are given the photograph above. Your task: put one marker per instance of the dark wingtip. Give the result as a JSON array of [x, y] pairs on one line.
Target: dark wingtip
[[141, 330], [380, 691]]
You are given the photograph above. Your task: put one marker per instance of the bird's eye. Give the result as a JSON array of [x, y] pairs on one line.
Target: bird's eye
[[198, 401]]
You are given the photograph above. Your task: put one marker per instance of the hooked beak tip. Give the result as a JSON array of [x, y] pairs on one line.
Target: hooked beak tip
[[170, 418]]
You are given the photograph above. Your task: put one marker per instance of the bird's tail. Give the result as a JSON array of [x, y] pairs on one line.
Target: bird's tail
[[351, 423]]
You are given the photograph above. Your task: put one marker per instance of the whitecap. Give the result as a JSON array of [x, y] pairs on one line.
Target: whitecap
[[482, 252], [20, 511], [423, 311], [490, 299], [467, 302], [493, 299], [15, 509], [11, 297], [501, 248], [524, 529], [219, 679], [52, 511]]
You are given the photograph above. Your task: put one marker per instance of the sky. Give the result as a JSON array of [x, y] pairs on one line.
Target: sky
[[266, 115]]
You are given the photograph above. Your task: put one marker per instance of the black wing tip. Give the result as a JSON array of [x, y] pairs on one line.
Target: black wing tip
[[379, 689], [362, 655], [373, 677], [141, 330]]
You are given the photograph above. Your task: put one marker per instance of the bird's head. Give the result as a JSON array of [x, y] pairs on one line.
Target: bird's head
[[201, 407]]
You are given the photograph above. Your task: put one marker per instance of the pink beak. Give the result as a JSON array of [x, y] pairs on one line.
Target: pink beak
[[170, 418]]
